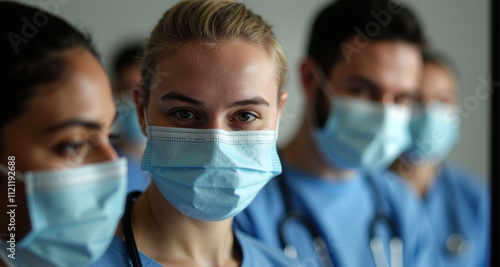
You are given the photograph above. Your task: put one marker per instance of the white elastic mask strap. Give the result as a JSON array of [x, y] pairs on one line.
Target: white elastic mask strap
[[277, 128]]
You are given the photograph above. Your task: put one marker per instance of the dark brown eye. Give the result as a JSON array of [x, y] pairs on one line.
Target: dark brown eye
[[359, 91], [403, 100], [76, 149], [245, 116], [185, 114]]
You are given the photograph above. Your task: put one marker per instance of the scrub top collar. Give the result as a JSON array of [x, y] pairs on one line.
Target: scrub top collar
[[298, 178]]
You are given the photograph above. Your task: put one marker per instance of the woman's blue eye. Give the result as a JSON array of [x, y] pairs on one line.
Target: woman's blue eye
[[185, 114], [245, 116]]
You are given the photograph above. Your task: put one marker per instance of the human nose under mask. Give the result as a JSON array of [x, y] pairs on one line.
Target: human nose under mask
[[361, 134], [210, 174], [73, 214], [435, 129]]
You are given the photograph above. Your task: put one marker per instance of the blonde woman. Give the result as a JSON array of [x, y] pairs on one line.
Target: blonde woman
[[209, 105]]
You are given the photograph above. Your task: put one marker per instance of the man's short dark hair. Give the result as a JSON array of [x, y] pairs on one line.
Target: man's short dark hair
[[365, 21]]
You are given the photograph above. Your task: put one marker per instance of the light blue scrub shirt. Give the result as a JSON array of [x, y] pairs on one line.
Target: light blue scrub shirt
[[461, 199], [127, 126], [138, 180], [255, 253], [343, 211]]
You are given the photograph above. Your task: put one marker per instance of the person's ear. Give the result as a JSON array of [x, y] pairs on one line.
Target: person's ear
[[140, 106], [283, 97], [308, 79]]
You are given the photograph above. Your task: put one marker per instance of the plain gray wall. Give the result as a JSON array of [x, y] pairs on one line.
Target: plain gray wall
[[459, 28]]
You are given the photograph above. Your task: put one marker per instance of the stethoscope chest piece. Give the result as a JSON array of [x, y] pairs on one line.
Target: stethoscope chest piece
[[290, 251], [457, 245], [395, 248]]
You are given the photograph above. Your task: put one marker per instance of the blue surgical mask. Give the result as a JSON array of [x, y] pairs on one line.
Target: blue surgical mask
[[73, 214], [127, 123], [435, 129], [210, 175], [361, 134]]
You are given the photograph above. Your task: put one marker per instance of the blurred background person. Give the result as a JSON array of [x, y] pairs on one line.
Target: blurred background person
[[63, 180], [455, 200], [130, 141]]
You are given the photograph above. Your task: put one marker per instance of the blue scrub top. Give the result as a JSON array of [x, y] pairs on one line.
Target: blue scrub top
[[255, 253], [459, 200], [138, 180], [343, 211]]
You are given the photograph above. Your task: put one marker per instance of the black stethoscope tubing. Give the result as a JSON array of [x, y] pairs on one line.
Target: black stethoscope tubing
[[291, 214], [127, 229], [324, 253]]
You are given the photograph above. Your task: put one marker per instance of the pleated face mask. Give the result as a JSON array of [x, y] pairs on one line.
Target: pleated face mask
[[435, 129], [73, 213], [210, 175], [361, 134]]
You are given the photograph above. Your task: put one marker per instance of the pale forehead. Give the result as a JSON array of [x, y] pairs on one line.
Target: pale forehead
[[232, 54], [229, 70]]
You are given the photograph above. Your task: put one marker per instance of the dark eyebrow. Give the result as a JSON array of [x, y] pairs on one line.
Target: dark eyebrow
[[181, 97], [254, 101], [73, 123], [78, 122], [413, 95], [375, 87], [367, 82]]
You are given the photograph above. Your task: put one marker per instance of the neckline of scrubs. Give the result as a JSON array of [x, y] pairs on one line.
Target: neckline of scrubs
[[435, 184], [299, 178], [241, 246]]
